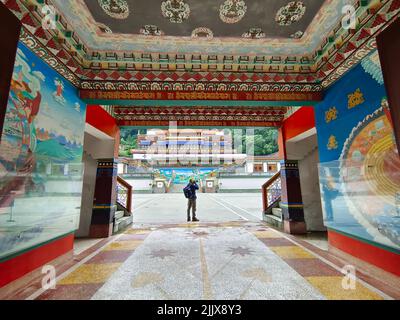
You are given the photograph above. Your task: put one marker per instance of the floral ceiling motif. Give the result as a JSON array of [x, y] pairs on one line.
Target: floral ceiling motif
[[118, 9], [175, 11], [83, 16], [73, 56], [297, 35], [202, 32], [151, 30], [254, 33], [290, 13], [103, 28], [232, 11]]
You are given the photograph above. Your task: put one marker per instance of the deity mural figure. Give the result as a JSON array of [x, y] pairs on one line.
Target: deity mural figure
[[59, 93]]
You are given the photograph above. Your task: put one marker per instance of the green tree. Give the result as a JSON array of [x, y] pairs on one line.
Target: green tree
[[265, 141]]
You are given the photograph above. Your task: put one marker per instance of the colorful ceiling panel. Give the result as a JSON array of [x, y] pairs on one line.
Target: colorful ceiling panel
[[92, 56], [224, 18], [250, 116], [290, 27]]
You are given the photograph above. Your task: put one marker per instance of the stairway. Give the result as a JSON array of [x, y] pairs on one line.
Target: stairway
[[272, 191], [121, 221], [274, 216], [123, 217]]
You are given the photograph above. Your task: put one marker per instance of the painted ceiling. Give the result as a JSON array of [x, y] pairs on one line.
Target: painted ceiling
[[200, 115], [83, 51], [251, 19], [287, 27]]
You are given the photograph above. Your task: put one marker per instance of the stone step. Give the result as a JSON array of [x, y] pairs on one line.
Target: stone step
[[119, 215], [273, 221], [277, 212], [122, 223]]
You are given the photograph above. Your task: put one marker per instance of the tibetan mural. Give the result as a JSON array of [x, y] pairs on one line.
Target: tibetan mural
[[182, 175], [40, 156], [360, 163]]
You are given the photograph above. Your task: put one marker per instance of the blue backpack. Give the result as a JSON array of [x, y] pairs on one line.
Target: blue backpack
[[187, 192]]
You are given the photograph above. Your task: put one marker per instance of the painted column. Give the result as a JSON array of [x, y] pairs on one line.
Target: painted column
[[292, 203], [105, 199]]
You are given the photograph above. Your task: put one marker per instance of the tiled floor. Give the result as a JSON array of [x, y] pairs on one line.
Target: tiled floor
[[227, 260], [230, 254]]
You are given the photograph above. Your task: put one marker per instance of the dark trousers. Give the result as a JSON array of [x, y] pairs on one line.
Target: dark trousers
[[191, 205]]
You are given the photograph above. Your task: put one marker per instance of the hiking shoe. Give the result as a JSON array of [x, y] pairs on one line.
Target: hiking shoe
[[195, 220], [188, 219]]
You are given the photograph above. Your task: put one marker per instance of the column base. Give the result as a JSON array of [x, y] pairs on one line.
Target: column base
[[294, 227], [101, 230]]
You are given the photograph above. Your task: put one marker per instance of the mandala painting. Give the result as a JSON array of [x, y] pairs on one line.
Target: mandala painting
[[371, 167]]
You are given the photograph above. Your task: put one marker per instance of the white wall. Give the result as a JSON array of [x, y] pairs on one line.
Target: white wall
[[309, 181], [242, 183], [140, 184], [305, 151], [99, 148], [89, 184]]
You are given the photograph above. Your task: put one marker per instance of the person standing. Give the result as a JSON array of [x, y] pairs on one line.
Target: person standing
[[190, 193]]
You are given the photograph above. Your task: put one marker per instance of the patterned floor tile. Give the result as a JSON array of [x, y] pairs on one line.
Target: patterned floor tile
[[267, 234], [228, 264], [276, 242], [209, 263], [292, 252], [90, 273], [110, 256], [331, 288], [312, 267], [124, 245]]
